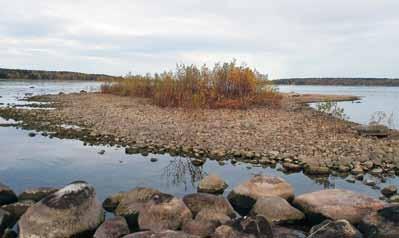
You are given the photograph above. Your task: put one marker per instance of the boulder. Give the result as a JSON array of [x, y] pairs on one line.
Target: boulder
[[212, 184], [334, 229], [18, 209], [212, 215], [36, 194], [381, 224], [5, 221], [198, 201], [161, 234], [200, 228], [112, 202], [244, 196], [284, 232], [132, 202], [276, 210], [113, 228], [71, 211], [7, 196], [164, 212], [336, 204]]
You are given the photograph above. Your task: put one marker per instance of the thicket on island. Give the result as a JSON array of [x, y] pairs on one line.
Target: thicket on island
[[226, 85]]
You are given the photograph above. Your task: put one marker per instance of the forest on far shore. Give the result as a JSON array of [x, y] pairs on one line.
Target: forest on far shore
[[339, 81], [49, 75]]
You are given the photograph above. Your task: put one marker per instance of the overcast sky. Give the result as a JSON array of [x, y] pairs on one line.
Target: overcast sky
[[285, 38]]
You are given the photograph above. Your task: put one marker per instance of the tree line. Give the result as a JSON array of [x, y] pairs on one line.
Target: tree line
[[50, 75], [339, 81]]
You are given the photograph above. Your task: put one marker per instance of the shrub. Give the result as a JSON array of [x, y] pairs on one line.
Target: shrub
[[224, 86]]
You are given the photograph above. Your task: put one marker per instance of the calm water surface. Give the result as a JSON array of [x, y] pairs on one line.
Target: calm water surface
[[41, 161], [374, 99]]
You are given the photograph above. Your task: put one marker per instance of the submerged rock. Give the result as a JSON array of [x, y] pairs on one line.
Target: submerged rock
[[71, 211], [131, 204], [200, 201], [212, 184], [277, 210], [164, 212], [244, 196], [336, 204], [36, 194], [334, 229], [7, 196], [113, 228], [381, 224]]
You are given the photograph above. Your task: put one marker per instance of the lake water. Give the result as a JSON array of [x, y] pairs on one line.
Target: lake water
[[40, 161], [374, 100]]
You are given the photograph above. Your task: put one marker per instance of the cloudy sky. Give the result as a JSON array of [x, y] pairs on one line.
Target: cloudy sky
[[285, 38]]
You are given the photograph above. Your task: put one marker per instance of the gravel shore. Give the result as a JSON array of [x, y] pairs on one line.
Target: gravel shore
[[294, 135]]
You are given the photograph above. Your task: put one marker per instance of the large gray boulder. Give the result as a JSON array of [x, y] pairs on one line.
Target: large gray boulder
[[164, 212], [200, 201], [7, 196], [334, 229], [70, 212], [113, 228], [277, 210], [336, 204], [244, 196], [212, 184], [381, 224], [131, 203]]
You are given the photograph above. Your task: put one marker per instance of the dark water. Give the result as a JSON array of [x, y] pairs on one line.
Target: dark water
[[41, 161]]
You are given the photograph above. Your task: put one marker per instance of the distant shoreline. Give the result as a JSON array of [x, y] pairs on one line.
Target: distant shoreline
[[387, 82]]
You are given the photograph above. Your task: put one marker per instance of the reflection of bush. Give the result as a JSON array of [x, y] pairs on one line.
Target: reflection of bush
[[181, 171]]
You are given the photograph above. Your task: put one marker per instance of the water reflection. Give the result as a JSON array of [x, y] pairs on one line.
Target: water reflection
[[182, 171]]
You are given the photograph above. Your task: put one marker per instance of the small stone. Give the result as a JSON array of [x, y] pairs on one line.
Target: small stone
[[32, 134], [389, 191], [316, 170], [198, 162], [370, 182], [376, 172], [350, 179], [101, 152], [359, 177], [153, 160], [394, 199]]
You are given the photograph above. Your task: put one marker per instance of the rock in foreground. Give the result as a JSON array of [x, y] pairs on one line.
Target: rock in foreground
[[161, 234], [201, 201], [164, 212], [212, 184], [277, 210], [244, 196], [381, 224], [336, 204], [334, 229], [71, 211], [113, 228]]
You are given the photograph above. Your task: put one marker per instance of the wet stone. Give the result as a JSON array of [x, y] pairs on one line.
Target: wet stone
[[36, 194]]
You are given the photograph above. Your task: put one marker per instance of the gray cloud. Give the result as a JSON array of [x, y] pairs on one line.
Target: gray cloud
[[285, 38]]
